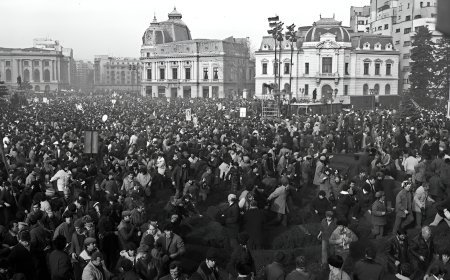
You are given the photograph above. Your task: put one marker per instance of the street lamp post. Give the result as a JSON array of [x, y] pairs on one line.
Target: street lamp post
[[276, 31], [291, 35]]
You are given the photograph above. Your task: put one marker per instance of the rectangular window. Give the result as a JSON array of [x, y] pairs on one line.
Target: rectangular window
[[380, 28], [306, 89], [8, 63], [205, 74], [407, 30], [397, 30], [386, 26], [408, 18], [397, 42], [366, 68], [388, 69], [148, 54], [407, 43], [345, 89], [26, 63], [327, 65], [377, 68], [346, 69], [187, 73], [286, 68], [35, 63], [175, 73], [428, 4], [162, 73], [307, 68], [275, 68], [408, 6], [46, 63], [149, 74], [215, 73], [421, 4], [264, 68]]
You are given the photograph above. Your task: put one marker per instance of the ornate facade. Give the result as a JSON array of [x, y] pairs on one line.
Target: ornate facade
[[329, 61], [174, 65], [114, 73], [46, 69]]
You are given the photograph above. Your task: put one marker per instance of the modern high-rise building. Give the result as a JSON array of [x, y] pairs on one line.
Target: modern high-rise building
[[175, 65], [359, 19], [401, 19]]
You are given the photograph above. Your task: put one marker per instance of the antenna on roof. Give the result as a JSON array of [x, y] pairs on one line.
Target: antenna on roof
[[320, 15]]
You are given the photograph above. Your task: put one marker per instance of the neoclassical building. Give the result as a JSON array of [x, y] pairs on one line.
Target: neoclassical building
[[46, 69], [175, 65], [328, 59], [117, 73]]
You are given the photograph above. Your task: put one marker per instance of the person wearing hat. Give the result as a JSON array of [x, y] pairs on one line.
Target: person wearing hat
[[335, 263], [95, 269], [378, 213], [20, 258], [279, 203], [208, 269], [126, 229], [171, 243]]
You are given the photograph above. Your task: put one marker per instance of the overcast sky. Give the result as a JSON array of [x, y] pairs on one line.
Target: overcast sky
[[115, 27]]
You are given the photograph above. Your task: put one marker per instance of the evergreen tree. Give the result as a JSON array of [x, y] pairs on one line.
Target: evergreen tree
[[442, 67], [421, 76]]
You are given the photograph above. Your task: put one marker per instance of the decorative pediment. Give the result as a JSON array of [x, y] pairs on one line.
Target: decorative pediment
[[378, 60], [328, 37], [264, 60], [390, 61], [328, 44]]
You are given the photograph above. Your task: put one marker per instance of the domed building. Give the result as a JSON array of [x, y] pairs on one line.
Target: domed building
[[329, 62], [174, 65]]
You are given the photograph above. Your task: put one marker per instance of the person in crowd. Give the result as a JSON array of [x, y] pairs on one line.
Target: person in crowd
[[379, 213], [279, 203], [403, 207], [20, 259], [96, 269], [300, 272], [443, 212], [253, 222], [443, 261], [172, 245], [59, 261], [368, 268], [421, 202], [207, 269], [335, 263], [275, 270], [341, 238], [422, 249], [327, 227], [320, 205]]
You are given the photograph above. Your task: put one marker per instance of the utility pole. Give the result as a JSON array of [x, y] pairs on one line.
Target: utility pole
[[291, 35], [276, 32]]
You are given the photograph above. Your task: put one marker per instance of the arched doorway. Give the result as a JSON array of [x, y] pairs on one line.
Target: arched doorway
[[376, 89], [47, 88], [365, 89], [387, 89], [327, 91], [46, 75], [37, 88], [26, 75], [36, 76]]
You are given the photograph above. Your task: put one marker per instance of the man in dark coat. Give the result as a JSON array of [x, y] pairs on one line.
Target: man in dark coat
[[422, 249], [59, 261], [20, 259], [397, 251], [253, 223], [231, 218], [367, 268], [207, 270]]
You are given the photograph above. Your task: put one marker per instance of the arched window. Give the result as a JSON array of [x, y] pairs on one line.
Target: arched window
[[37, 88], [26, 75], [122, 77], [387, 89], [46, 75], [8, 75], [47, 88], [376, 89], [365, 89], [36, 76]]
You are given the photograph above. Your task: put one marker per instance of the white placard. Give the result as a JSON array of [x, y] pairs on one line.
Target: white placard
[[45, 100], [219, 106], [243, 112], [36, 100], [188, 115], [195, 121], [448, 109]]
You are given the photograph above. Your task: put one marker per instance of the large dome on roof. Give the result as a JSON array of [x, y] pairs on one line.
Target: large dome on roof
[[172, 30], [327, 25]]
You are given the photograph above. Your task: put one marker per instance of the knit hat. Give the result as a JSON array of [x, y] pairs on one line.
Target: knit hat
[[89, 240]]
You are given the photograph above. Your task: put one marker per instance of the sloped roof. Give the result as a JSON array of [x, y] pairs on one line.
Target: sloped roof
[[359, 39]]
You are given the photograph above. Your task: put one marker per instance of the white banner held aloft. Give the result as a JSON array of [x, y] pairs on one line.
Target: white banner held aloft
[[45, 100], [195, 121], [243, 112], [188, 115], [448, 109]]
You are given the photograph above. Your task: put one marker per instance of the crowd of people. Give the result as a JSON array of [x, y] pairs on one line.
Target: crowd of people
[[72, 207]]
